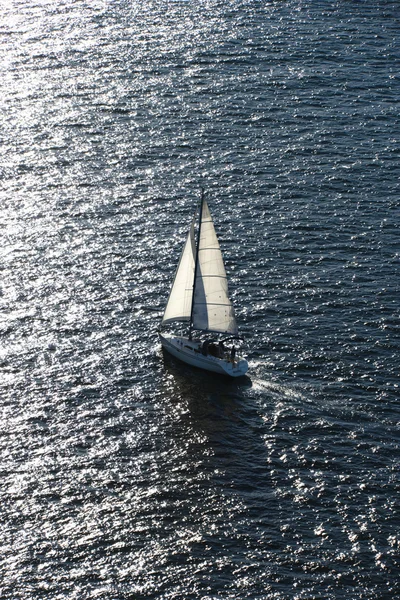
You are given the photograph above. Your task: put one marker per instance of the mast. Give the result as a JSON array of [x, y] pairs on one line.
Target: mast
[[196, 262]]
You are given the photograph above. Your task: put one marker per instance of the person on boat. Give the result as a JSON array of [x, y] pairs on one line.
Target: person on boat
[[213, 350], [221, 349], [204, 347], [233, 353]]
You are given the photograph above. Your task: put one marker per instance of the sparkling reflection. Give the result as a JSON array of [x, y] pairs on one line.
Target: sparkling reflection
[[123, 474]]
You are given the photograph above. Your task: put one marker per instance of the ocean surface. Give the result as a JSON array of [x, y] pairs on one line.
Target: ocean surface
[[125, 475]]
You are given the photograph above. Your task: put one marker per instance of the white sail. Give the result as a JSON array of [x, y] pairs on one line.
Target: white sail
[[212, 309], [180, 298]]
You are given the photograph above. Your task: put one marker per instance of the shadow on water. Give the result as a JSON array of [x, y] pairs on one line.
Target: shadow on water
[[205, 397]]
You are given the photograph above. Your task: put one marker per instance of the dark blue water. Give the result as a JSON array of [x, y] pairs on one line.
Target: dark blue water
[[124, 475]]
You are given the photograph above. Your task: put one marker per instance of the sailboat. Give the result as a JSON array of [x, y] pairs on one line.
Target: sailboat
[[199, 297]]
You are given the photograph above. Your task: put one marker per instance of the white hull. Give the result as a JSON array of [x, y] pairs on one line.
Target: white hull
[[189, 351]]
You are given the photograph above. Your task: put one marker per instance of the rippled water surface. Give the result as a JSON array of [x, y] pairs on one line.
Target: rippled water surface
[[125, 475]]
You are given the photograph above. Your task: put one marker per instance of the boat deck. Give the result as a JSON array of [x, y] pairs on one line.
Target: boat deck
[[189, 351]]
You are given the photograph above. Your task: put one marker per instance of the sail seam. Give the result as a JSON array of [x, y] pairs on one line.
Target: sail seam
[[212, 304], [213, 276]]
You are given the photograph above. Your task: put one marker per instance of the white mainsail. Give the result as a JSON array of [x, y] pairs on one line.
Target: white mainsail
[[212, 309], [179, 303]]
